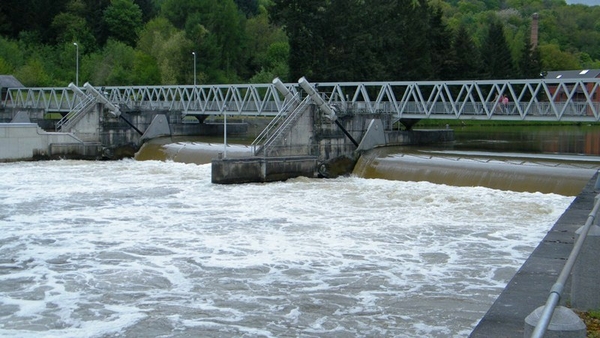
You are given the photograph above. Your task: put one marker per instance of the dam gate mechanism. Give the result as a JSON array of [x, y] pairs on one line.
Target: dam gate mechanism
[[314, 138]]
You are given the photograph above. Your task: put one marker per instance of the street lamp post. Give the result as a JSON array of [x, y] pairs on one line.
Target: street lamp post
[[76, 64], [224, 131], [194, 53]]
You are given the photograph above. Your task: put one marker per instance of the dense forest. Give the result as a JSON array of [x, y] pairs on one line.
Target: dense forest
[[152, 42]]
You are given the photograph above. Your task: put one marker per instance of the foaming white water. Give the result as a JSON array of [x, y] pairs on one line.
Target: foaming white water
[[98, 249]]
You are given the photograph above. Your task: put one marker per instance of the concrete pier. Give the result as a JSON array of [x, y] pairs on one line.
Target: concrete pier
[[332, 138], [530, 287], [262, 169]]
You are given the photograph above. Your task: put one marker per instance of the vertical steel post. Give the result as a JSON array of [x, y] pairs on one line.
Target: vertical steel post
[[76, 64]]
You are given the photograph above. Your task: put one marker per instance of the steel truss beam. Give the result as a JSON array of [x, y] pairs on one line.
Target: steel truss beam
[[540, 100]]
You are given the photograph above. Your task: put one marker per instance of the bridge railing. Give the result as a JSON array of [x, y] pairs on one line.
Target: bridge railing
[[543, 99], [49, 99]]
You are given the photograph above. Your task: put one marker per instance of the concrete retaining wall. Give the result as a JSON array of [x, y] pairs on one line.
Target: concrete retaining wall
[[99, 133], [27, 141]]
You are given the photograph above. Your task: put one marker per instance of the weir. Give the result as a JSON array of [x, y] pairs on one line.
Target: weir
[[313, 140], [564, 175]]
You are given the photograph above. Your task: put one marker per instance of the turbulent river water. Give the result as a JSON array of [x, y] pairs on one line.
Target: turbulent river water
[[153, 249]]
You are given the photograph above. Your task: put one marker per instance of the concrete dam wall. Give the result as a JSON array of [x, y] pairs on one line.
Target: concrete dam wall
[[310, 137]]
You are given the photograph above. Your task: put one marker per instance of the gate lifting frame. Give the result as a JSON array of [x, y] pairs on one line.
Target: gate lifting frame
[[528, 100]]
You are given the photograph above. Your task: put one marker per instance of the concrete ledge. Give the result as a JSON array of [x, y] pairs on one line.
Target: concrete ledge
[[248, 170], [530, 287]]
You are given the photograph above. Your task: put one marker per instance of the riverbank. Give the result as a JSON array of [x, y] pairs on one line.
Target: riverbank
[[433, 123]]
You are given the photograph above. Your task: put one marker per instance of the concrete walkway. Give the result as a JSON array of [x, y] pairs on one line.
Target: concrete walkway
[[530, 287]]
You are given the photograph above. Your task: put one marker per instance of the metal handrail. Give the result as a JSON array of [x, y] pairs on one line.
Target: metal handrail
[[283, 127], [81, 107], [557, 288], [292, 117], [274, 124]]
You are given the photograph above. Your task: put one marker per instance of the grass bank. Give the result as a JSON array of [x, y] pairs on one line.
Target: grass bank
[[453, 123]]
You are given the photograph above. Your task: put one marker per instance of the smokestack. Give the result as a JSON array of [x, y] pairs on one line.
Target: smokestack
[[534, 30]]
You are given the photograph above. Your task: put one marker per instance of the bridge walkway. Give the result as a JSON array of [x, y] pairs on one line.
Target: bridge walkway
[[572, 100]]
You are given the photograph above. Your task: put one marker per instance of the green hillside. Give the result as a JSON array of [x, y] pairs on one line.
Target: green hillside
[[152, 42]]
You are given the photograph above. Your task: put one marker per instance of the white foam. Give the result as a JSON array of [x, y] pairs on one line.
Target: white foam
[[100, 248]]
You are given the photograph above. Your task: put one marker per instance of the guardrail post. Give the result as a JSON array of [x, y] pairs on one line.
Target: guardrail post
[[585, 289], [564, 324], [597, 185]]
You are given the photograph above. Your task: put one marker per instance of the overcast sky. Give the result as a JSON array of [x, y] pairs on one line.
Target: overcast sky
[[586, 2]]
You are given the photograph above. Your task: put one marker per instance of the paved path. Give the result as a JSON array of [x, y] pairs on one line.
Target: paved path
[[531, 285]]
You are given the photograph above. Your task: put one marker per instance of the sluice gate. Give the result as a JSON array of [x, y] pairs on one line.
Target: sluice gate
[[315, 139]]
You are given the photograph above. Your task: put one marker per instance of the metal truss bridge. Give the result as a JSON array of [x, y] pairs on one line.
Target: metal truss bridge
[[526, 100]]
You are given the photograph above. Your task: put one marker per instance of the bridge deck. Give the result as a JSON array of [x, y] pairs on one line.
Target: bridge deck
[[539, 100]]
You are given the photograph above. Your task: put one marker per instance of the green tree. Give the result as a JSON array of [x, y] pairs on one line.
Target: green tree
[[275, 65], [471, 6], [169, 47], [145, 70], [496, 56], [339, 32], [71, 26], [33, 16], [260, 36], [302, 21], [441, 46], [11, 52], [33, 73], [154, 33], [465, 60], [114, 67], [403, 48], [216, 28], [586, 61], [123, 19], [555, 59], [530, 64], [277, 57], [5, 67], [248, 7], [94, 16], [149, 8]]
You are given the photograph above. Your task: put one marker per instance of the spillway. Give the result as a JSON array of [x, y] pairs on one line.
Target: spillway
[[189, 152], [545, 173]]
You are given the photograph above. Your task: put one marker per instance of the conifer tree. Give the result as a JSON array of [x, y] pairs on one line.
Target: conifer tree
[[466, 62], [441, 46], [530, 66], [303, 23], [495, 54]]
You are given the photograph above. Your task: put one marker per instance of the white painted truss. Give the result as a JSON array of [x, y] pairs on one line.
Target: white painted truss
[[540, 100]]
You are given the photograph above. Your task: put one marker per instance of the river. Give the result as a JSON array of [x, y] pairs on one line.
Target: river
[[150, 248]]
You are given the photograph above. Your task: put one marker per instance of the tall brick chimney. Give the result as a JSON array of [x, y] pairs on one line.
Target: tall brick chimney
[[534, 30]]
